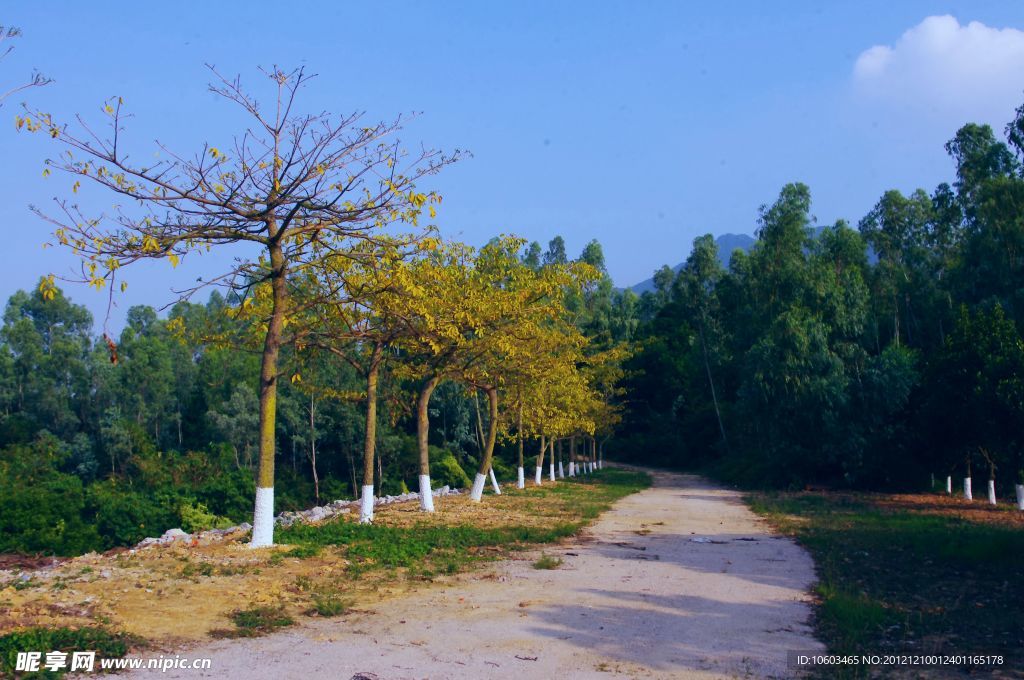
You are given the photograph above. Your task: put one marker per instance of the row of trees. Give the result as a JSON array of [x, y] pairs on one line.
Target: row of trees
[[868, 356], [329, 289]]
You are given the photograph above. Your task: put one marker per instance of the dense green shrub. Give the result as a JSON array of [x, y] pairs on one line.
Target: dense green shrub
[[44, 516], [123, 516], [41, 507], [445, 469]]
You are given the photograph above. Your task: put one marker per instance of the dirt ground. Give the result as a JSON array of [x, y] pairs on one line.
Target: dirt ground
[[677, 581]]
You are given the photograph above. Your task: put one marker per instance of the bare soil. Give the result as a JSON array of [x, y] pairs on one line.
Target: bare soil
[[678, 581]]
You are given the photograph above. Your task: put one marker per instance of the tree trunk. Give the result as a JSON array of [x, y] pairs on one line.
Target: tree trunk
[[520, 480], [479, 422], [263, 515], [561, 468], [540, 461], [551, 458], [312, 448], [352, 471], [485, 460], [422, 433], [711, 384], [895, 322], [369, 444], [572, 456]]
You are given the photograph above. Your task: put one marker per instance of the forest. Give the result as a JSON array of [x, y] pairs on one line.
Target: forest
[[884, 355]]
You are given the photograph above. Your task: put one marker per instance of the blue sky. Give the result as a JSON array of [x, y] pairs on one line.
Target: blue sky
[[641, 124]]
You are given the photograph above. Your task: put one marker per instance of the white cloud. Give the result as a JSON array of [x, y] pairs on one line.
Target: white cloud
[[939, 67]]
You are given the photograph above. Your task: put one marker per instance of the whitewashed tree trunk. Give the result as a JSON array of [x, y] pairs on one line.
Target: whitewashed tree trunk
[[426, 495], [561, 471], [551, 472], [520, 478], [366, 505], [540, 474], [494, 483], [949, 485], [478, 488], [572, 468], [992, 492], [967, 489], [263, 518], [1020, 496]]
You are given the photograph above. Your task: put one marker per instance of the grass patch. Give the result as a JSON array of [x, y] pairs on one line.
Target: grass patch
[[547, 562], [90, 639], [255, 622], [192, 570], [301, 552], [329, 604], [428, 546], [906, 579]]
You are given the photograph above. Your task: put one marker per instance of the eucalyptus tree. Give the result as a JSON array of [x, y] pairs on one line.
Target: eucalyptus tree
[[293, 187]]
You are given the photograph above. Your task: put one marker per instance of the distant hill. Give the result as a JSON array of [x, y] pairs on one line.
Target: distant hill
[[726, 243]]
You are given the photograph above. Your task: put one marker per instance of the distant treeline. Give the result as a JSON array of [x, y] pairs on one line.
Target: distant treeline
[[806, 362]]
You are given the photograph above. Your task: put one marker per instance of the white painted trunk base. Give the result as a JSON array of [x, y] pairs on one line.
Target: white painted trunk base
[[561, 471], [991, 492], [494, 483], [949, 485], [478, 487], [263, 518], [967, 489], [520, 478], [426, 495], [572, 469], [551, 472], [366, 505], [1020, 496], [540, 474]]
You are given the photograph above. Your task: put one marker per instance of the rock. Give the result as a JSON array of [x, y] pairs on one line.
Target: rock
[[244, 526], [172, 535], [317, 514]]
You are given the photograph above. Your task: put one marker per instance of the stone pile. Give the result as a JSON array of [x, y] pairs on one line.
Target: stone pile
[[285, 519]]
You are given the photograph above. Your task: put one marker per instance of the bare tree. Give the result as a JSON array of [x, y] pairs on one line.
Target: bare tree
[[297, 188], [8, 33]]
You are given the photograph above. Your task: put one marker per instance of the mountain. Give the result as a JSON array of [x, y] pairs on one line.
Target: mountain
[[726, 243]]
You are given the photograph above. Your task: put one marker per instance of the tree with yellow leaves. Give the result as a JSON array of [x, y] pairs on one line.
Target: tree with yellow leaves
[[530, 305], [295, 187]]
